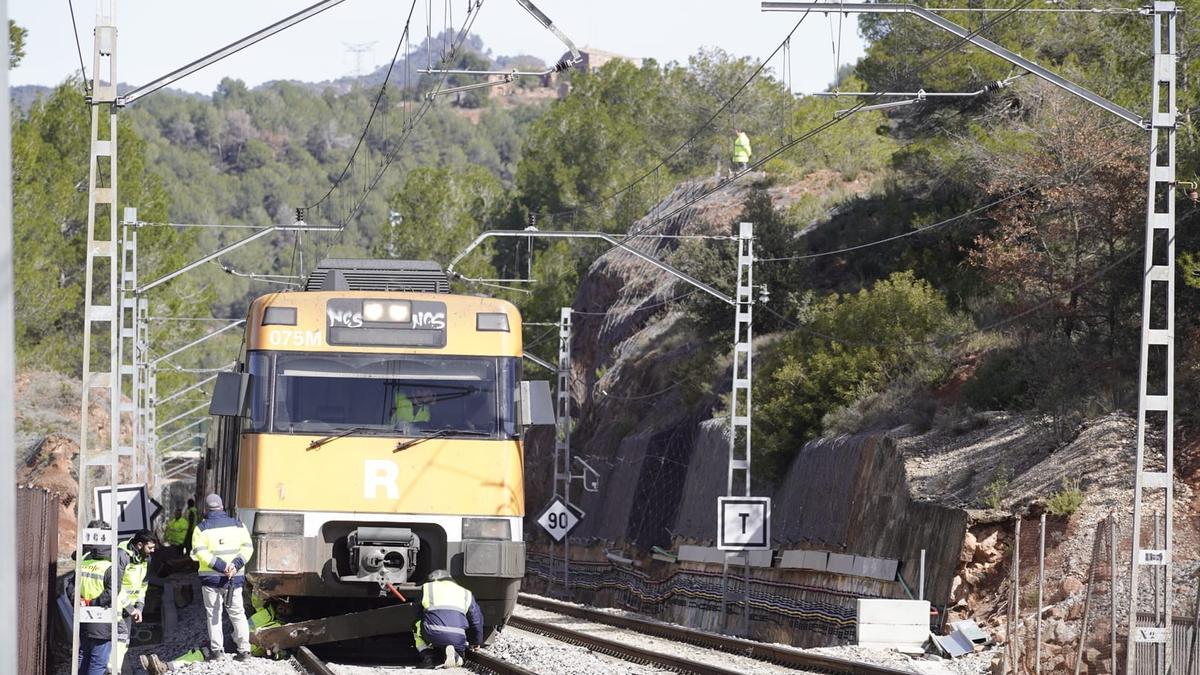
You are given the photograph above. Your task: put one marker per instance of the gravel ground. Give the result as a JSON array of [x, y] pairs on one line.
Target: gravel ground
[[978, 663], [545, 655], [656, 644], [191, 632]]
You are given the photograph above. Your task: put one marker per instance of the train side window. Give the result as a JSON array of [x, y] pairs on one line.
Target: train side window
[[258, 397]]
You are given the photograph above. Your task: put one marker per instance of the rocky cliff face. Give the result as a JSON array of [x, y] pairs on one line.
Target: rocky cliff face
[[661, 449]]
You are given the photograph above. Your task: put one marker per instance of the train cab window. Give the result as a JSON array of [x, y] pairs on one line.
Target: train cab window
[[258, 364], [393, 394]]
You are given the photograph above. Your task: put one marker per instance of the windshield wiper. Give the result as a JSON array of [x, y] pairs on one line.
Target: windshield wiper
[[322, 441], [440, 433]]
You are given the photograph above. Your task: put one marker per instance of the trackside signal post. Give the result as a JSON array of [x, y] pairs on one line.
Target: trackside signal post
[[1155, 470]]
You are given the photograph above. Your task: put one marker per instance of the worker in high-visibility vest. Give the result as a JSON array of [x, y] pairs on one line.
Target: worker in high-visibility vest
[[135, 553], [96, 578], [412, 406], [177, 529], [448, 611], [741, 150], [264, 617], [193, 518], [222, 546]]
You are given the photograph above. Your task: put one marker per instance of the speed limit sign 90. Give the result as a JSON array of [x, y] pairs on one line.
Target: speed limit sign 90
[[558, 520]]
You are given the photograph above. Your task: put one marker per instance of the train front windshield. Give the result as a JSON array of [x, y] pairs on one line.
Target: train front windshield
[[386, 394]]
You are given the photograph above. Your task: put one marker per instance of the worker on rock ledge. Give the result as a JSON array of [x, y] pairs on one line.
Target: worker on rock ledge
[[448, 611], [222, 546], [741, 150]]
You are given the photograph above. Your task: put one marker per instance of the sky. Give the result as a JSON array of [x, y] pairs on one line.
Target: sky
[[158, 36]]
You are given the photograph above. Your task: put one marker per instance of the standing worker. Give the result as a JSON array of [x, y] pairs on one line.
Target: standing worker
[[193, 519], [177, 529], [222, 546], [741, 150], [96, 590], [447, 612], [135, 558]]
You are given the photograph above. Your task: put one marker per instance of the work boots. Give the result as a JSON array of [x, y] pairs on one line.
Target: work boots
[[154, 665], [453, 660]]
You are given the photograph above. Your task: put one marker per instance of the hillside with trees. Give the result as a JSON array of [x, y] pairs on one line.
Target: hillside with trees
[[1011, 221]]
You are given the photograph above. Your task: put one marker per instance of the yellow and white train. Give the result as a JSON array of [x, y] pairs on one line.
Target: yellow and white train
[[372, 434]]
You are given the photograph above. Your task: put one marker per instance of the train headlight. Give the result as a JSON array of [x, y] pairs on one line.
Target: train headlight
[[486, 528], [372, 311], [400, 312]]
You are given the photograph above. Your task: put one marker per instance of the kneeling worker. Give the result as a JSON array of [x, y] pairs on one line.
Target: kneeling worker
[[448, 612]]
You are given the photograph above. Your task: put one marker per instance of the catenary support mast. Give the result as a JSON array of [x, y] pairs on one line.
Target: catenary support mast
[[101, 318], [1149, 639]]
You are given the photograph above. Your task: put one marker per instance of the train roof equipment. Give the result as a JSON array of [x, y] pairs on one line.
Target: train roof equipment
[[347, 274]]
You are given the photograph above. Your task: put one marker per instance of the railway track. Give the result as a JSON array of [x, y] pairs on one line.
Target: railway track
[[478, 661], [777, 654]]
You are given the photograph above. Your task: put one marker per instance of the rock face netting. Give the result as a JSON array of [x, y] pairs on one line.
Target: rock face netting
[[36, 556], [848, 495]]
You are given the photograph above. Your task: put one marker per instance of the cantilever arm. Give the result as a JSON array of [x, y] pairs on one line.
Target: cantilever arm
[[955, 29], [587, 235]]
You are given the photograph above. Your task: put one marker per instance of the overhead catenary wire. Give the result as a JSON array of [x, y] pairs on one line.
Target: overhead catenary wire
[[916, 231], [814, 131], [640, 308], [958, 337], [374, 109], [409, 126], [695, 133], [79, 48]]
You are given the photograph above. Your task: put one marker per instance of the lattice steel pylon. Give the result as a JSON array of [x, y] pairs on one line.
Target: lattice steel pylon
[[738, 483], [101, 313], [1156, 375], [127, 344], [739, 400], [562, 431]]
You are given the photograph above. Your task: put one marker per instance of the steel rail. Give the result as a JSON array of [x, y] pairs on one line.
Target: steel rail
[[478, 661], [483, 662], [778, 654], [310, 663], [622, 651]]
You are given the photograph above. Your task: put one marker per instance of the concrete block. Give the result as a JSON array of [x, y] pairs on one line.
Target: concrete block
[[700, 554], [710, 555], [805, 560], [840, 563], [895, 624]]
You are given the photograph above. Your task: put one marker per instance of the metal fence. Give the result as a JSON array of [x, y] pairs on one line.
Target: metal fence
[[37, 555], [1185, 648]]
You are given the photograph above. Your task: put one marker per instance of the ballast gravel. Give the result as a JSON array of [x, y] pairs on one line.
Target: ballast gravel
[[656, 644]]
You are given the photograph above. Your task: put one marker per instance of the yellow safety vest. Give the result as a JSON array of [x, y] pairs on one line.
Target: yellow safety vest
[[407, 411], [133, 581], [92, 574], [445, 594], [177, 531], [741, 148], [227, 542]]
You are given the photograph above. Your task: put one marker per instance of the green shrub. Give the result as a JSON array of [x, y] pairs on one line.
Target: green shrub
[[997, 487], [999, 383], [880, 336], [1067, 500]]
